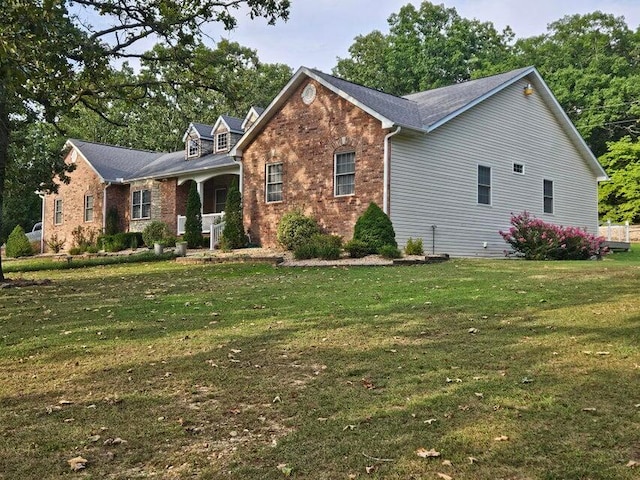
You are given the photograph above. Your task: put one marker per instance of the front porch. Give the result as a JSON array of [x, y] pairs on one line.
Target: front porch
[[213, 191]]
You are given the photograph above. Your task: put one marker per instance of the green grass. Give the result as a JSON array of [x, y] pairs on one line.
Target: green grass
[[227, 371]]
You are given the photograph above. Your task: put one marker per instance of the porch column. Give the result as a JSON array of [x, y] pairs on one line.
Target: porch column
[[200, 187]]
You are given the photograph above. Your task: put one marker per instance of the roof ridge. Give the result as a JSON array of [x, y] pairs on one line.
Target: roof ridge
[[110, 145]]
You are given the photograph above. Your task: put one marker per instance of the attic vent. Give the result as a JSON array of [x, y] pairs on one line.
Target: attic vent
[[309, 94]]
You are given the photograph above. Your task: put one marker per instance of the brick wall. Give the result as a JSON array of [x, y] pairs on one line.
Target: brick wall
[[84, 181], [304, 138]]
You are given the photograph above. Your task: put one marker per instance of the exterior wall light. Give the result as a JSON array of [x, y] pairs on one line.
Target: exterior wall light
[[528, 89]]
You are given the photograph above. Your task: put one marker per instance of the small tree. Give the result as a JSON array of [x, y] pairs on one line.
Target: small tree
[[233, 233], [193, 223], [18, 244], [112, 222], [375, 229]]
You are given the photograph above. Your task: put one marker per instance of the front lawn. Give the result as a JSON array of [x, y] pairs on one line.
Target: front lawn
[[508, 369]]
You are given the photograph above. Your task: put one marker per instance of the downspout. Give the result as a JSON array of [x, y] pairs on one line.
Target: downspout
[[387, 166], [104, 207]]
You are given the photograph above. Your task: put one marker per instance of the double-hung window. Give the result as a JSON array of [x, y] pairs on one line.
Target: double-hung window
[[345, 174], [88, 208], [193, 147], [484, 185], [222, 142], [274, 182], [57, 211], [547, 196], [141, 204]]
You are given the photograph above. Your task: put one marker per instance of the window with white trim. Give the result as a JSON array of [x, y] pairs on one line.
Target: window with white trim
[[547, 196], [484, 185], [274, 182], [220, 196], [88, 208], [518, 168], [57, 211], [141, 204], [193, 147], [222, 141], [344, 174]]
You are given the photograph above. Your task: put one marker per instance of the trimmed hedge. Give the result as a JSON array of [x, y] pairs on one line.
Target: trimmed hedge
[[120, 241]]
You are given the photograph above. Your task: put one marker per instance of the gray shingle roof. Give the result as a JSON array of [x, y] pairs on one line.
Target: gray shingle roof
[[397, 109], [175, 163], [424, 109], [203, 130], [235, 124], [113, 163], [435, 105]]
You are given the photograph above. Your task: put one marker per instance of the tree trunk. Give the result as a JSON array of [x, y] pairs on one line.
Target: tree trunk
[[4, 155]]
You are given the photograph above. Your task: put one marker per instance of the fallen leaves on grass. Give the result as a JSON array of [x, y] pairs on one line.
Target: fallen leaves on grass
[[424, 453], [472, 460], [78, 463], [501, 438], [589, 409], [444, 476], [368, 384], [447, 463], [633, 464], [285, 469]]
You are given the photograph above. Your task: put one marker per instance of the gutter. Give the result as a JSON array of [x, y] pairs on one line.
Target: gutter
[[387, 166]]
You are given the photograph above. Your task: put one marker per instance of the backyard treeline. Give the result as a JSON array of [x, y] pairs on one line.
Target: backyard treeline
[[55, 65], [591, 63]]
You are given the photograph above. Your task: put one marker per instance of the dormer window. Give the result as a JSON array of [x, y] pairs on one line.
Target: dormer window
[[222, 141], [193, 147]]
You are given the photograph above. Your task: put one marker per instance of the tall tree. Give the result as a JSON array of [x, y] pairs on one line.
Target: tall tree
[[176, 96], [427, 47], [620, 197], [52, 60]]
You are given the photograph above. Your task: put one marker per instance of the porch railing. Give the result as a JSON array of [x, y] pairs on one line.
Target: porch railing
[[613, 232], [208, 219], [216, 233]]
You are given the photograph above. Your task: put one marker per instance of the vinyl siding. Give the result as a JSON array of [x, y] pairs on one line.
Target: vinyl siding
[[433, 177]]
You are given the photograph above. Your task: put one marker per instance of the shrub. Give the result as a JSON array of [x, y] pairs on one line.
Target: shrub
[[193, 222], [18, 244], [112, 222], [534, 239], [389, 251], [155, 232], [233, 233], [120, 241], [326, 247], [76, 251], [414, 247], [375, 229], [305, 251], [83, 238], [92, 249], [295, 228], [356, 248], [56, 244]]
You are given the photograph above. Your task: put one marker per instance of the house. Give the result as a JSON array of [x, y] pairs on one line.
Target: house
[[448, 165], [143, 186]]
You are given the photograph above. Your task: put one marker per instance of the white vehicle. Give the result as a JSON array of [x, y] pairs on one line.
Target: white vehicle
[[35, 235]]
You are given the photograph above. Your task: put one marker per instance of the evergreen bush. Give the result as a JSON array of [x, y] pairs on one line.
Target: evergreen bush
[[356, 248], [389, 251], [193, 223], [233, 233], [18, 244], [295, 228], [375, 229], [112, 222]]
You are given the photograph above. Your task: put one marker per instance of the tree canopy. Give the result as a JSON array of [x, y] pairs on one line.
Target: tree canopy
[[426, 47], [52, 58]]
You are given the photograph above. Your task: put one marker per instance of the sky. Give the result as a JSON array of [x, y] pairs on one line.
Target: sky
[[320, 31]]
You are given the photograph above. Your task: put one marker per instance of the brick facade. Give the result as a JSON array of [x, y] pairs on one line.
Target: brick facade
[[84, 182], [305, 138]]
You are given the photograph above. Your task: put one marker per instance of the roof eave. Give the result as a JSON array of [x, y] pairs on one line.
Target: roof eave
[[95, 170]]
